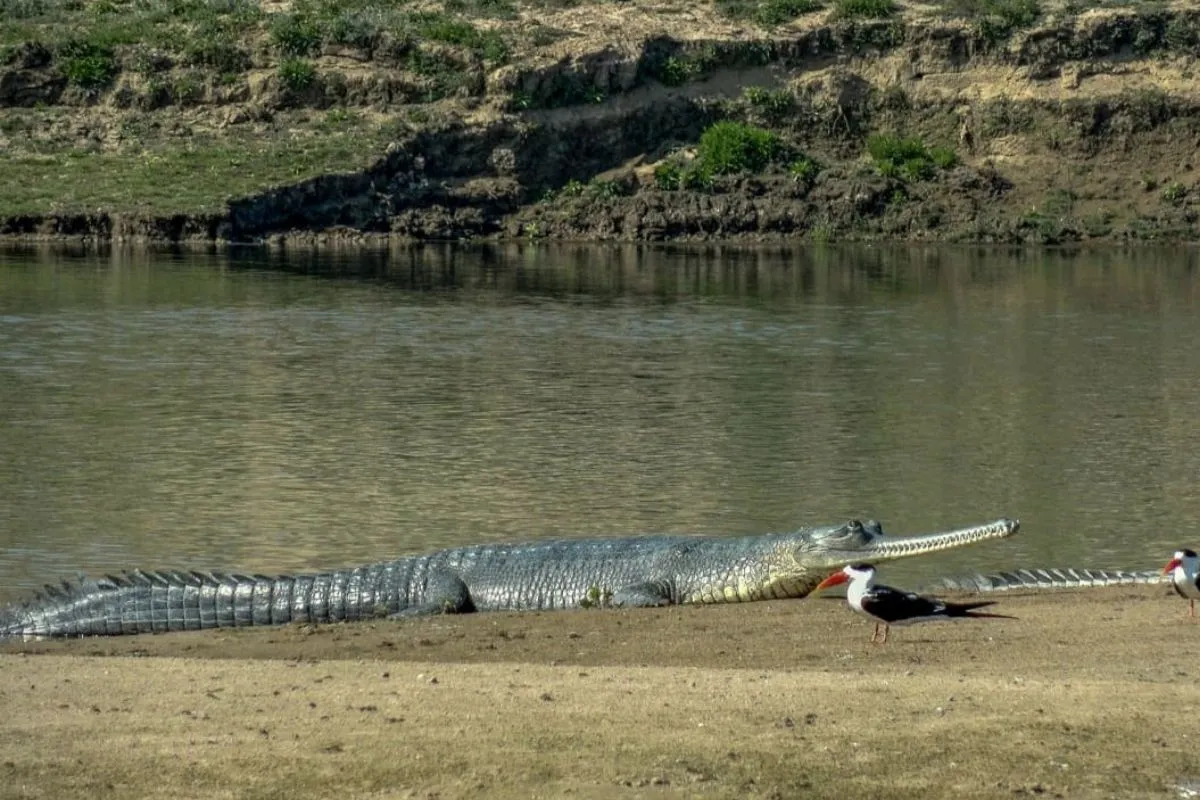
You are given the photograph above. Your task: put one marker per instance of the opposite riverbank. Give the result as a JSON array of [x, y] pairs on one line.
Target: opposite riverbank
[[1087, 694], [245, 120]]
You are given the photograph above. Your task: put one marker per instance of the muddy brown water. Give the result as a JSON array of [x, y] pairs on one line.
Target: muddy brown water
[[265, 412]]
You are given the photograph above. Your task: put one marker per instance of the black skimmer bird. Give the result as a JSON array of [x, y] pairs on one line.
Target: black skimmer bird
[[888, 606], [1183, 569]]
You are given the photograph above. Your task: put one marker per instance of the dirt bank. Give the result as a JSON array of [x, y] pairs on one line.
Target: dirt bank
[[1088, 694], [968, 120]]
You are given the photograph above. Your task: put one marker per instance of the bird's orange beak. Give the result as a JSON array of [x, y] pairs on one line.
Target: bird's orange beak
[[1175, 562], [832, 580]]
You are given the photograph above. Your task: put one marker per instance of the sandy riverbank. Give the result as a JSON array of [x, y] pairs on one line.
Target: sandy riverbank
[[1088, 694]]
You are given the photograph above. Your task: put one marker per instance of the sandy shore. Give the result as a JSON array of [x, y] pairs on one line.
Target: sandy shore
[[1087, 694]]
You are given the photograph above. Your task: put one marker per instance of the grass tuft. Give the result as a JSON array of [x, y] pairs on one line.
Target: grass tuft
[[297, 74], [768, 13], [864, 9]]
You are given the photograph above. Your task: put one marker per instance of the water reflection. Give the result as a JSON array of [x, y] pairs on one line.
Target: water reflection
[[272, 410]]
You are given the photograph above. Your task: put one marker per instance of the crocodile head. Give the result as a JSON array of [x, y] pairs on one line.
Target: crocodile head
[[818, 552]]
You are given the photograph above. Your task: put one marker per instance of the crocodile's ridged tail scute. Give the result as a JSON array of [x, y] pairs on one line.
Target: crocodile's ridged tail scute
[[152, 602], [1048, 579]]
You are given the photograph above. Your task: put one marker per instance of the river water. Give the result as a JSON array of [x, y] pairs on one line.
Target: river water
[[263, 412]]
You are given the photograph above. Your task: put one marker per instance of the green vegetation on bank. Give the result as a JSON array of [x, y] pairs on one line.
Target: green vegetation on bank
[[196, 175], [177, 106], [731, 148], [768, 13], [997, 19], [865, 9], [908, 157], [90, 42]]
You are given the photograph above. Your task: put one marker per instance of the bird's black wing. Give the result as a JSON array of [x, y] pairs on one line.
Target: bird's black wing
[[892, 605]]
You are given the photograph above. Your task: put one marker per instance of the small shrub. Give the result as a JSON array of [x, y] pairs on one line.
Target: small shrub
[[216, 53], [572, 188], [908, 157], [804, 170], [296, 74], [732, 147], [996, 19], [773, 105], [864, 9], [357, 28], [88, 65], [677, 70], [493, 48], [1014, 13], [186, 89], [606, 190], [1174, 193], [295, 34], [1182, 35], [778, 12], [943, 157], [519, 101], [768, 13], [668, 176], [444, 28], [698, 179]]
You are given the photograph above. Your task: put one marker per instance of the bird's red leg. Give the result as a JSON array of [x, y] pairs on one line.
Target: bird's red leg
[[1192, 609], [886, 628], [875, 633]]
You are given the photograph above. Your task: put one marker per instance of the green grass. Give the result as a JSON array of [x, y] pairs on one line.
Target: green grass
[[684, 67], [89, 65], [732, 147], [908, 157], [773, 105], [804, 170], [297, 35], [297, 74], [167, 176], [864, 9], [726, 148], [86, 38], [768, 13], [997, 19]]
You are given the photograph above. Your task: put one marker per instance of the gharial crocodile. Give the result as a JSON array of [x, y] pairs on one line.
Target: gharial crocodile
[[634, 571]]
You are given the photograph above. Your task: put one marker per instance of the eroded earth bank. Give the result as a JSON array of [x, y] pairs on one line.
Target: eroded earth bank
[[972, 120]]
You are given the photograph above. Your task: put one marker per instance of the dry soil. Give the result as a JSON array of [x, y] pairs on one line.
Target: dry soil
[[1087, 694]]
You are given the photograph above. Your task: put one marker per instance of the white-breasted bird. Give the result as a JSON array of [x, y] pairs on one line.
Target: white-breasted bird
[[1185, 574], [888, 606]]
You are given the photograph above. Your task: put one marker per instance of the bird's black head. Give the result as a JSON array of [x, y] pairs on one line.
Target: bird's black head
[[862, 566], [1188, 553]]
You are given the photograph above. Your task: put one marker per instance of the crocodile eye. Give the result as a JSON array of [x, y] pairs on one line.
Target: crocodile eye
[[854, 526]]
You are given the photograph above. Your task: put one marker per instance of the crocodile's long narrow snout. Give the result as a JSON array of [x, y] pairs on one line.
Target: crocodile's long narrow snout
[[886, 548]]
